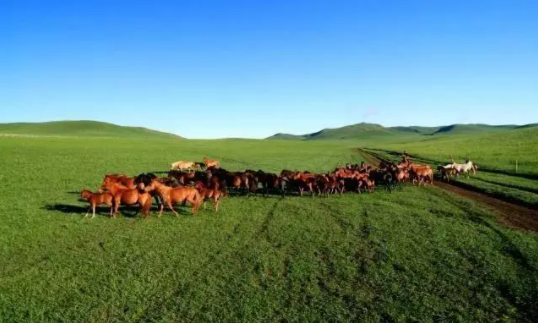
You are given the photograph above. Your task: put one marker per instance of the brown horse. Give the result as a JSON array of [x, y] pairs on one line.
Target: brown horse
[[421, 174], [127, 196], [211, 162], [210, 193], [96, 199], [120, 179], [173, 195]]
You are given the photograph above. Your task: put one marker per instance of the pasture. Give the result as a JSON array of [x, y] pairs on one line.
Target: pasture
[[416, 254]]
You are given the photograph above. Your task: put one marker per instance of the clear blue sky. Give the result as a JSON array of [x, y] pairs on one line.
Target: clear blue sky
[[207, 69]]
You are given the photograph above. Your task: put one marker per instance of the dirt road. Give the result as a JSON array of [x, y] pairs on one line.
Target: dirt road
[[508, 213]]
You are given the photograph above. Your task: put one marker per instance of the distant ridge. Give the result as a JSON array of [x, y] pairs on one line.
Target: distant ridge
[[81, 128], [371, 130], [472, 128]]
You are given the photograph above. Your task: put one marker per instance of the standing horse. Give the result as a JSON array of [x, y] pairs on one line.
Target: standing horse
[[171, 195], [96, 199], [181, 165], [210, 193], [211, 162], [127, 196]]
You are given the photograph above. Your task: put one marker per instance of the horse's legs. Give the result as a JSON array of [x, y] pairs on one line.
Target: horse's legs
[[171, 207], [93, 209], [217, 200], [116, 206], [161, 208], [88, 213], [195, 204]]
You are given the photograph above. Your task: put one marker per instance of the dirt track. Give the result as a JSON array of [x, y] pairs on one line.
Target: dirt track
[[508, 213]]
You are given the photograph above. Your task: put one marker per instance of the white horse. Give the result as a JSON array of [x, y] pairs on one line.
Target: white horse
[[181, 165], [465, 168]]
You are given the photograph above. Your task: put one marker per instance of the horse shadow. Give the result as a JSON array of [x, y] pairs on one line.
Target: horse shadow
[[127, 211]]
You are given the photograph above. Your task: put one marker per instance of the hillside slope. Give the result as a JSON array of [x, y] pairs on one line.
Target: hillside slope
[[375, 131], [80, 128]]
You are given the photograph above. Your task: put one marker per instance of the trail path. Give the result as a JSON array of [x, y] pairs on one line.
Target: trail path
[[508, 213]]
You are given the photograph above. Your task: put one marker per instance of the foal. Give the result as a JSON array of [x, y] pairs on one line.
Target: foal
[[96, 199]]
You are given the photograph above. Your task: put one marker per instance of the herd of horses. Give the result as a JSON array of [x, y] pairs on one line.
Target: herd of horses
[[196, 182]]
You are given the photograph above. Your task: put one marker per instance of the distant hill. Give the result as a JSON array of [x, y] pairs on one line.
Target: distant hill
[[80, 128], [371, 130], [416, 129], [472, 128], [355, 131], [286, 136]]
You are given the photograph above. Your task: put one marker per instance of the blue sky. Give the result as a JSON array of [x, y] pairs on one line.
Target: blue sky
[[208, 69]]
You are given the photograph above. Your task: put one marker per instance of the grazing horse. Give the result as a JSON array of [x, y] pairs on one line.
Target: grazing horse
[[211, 162], [210, 193], [181, 165], [465, 168], [127, 196], [171, 195], [96, 199]]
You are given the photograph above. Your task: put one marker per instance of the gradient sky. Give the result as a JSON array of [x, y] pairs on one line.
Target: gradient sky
[[208, 69]]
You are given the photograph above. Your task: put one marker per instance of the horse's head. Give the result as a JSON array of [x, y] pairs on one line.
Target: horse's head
[[144, 181], [85, 194]]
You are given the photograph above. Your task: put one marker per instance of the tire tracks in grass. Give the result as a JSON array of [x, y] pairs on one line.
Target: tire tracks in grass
[[506, 212]]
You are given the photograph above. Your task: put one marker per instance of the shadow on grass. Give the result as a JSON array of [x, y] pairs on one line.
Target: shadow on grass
[[129, 211]]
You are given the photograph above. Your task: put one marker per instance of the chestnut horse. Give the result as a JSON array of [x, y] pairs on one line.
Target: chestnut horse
[[120, 179], [210, 193], [421, 174], [211, 162], [127, 196], [96, 199], [172, 195]]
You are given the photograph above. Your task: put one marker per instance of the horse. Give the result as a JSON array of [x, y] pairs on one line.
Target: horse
[[171, 195], [465, 168], [446, 171], [128, 182], [199, 165], [210, 193], [421, 173], [181, 165], [211, 162], [96, 199], [127, 196]]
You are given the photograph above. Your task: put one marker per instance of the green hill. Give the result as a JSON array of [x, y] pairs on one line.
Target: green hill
[[376, 131], [80, 128], [416, 129], [356, 131], [286, 136], [472, 128]]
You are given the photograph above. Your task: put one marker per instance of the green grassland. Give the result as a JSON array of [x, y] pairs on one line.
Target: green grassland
[[416, 254], [495, 152]]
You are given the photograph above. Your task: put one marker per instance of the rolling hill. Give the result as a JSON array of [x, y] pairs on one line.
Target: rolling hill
[[374, 131], [80, 128], [472, 128]]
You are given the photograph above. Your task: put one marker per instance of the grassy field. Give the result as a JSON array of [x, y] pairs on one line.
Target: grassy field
[[495, 151], [410, 255]]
